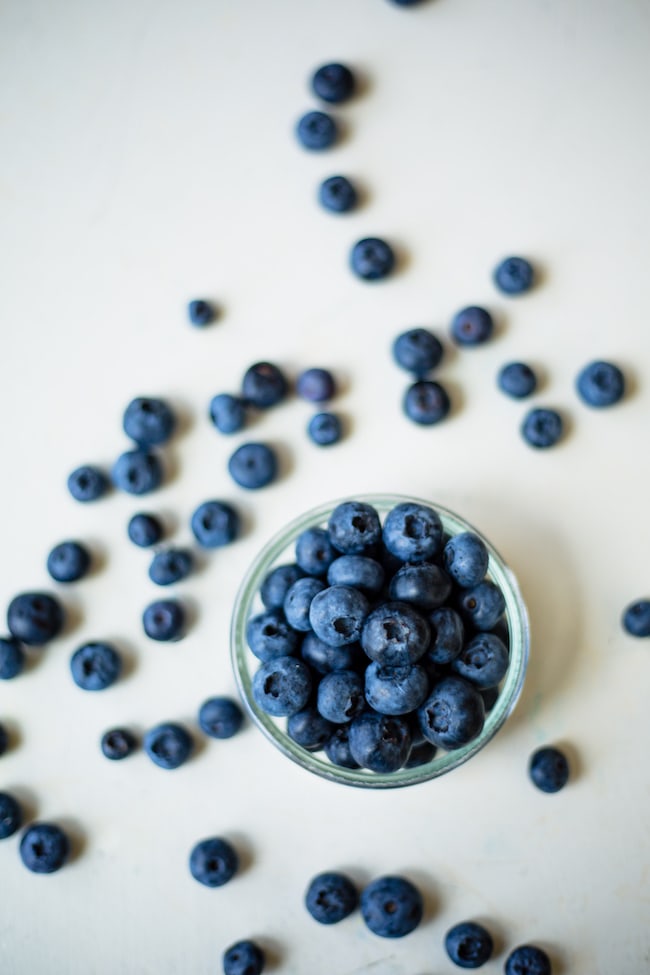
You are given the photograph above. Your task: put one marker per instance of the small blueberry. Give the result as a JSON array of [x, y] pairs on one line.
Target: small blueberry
[[117, 743], [164, 620], [516, 379], [201, 312], [11, 815], [316, 385], [472, 326], [600, 384], [333, 83], [549, 769], [324, 429], [137, 472], [44, 848], [12, 658], [144, 530], [243, 958], [391, 907], [316, 130], [170, 566], [68, 562], [87, 483], [227, 412], [253, 465], [542, 428], [426, 402], [35, 618], [213, 862], [148, 421], [220, 717], [469, 945], [636, 618], [331, 897], [372, 259], [514, 276], [95, 666], [337, 194], [527, 960], [264, 385], [417, 351], [168, 745]]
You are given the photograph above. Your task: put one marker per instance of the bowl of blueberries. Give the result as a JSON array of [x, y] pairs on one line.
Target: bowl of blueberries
[[379, 641]]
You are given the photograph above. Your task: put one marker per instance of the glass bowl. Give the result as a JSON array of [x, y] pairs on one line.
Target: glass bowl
[[279, 550]]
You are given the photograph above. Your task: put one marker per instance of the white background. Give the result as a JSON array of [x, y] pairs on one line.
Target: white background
[[148, 158]]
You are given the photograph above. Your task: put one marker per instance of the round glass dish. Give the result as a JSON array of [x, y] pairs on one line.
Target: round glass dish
[[280, 549]]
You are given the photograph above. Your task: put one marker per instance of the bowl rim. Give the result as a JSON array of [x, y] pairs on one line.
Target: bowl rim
[[269, 555]]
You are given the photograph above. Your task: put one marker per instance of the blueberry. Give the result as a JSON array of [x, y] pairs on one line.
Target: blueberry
[[323, 658], [148, 421], [95, 666], [482, 605], [144, 530], [331, 897], [548, 769], [421, 753], [11, 815], [253, 465], [137, 472], [418, 351], [542, 427], [220, 717], [413, 532], [243, 958], [357, 571], [517, 379], [340, 696], [12, 658], [391, 907], [395, 635], [636, 618], [314, 551], [227, 412], [44, 848], [600, 384], [372, 259], [337, 194], [170, 566], [213, 862], [354, 528], [316, 385], [309, 729], [483, 661], [337, 615], [87, 483], [453, 714], [4, 739], [466, 559], [215, 523], [282, 686], [425, 585], [264, 385], [277, 583], [379, 742], [469, 945], [472, 326], [316, 130], [269, 635], [68, 562], [514, 276], [35, 617], [447, 635], [298, 601], [395, 690], [337, 748], [325, 429], [201, 312], [118, 743], [426, 402], [168, 745], [527, 960], [164, 620], [333, 83]]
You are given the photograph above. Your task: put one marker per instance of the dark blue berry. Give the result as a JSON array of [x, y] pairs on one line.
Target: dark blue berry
[[418, 351], [12, 658], [354, 528], [253, 465], [148, 421], [340, 696], [314, 551], [227, 412], [490, 697], [172, 565], [337, 194], [413, 532], [391, 907], [425, 585], [395, 690], [379, 742], [298, 601], [243, 958], [270, 635], [44, 848], [95, 666], [548, 769], [309, 729], [68, 562], [421, 753], [542, 428], [323, 658], [220, 717], [426, 402], [372, 259], [527, 960], [453, 714], [337, 615], [337, 748], [482, 605], [282, 686], [517, 379], [277, 583], [472, 326], [466, 559], [325, 429], [333, 83], [447, 635], [137, 472], [636, 618], [201, 312], [118, 743], [514, 276], [316, 385], [213, 862], [600, 384], [331, 897], [483, 661], [35, 618], [168, 745], [11, 815], [144, 530], [215, 523], [87, 483], [357, 571], [395, 635], [316, 130], [469, 945], [264, 385], [164, 620]]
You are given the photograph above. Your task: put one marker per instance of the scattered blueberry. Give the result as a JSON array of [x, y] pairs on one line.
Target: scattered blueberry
[[168, 745], [472, 326], [170, 566], [331, 897], [316, 130], [357, 571], [215, 523], [148, 421], [340, 696], [514, 276], [137, 472], [220, 717], [68, 562], [337, 194], [95, 666], [213, 862], [11, 815], [395, 690], [379, 742], [12, 658], [316, 385], [453, 714], [164, 620], [87, 483], [253, 465], [548, 769], [35, 617], [466, 559], [600, 384], [395, 635], [277, 583], [418, 351], [333, 83], [391, 906], [469, 945], [201, 312], [264, 385], [325, 429], [118, 743], [542, 427], [483, 661], [527, 960], [426, 402], [482, 605], [424, 584], [282, 686], [227, 412], [145, 530], [354, 528], [372, 259], [636, 618], [298, 602], [44, 848], [517, 379], [243, 958], [413, 532], [314, 551], [269, 635], [447, 635]]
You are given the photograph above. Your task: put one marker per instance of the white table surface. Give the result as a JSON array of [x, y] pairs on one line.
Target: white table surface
[[148, 158]]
